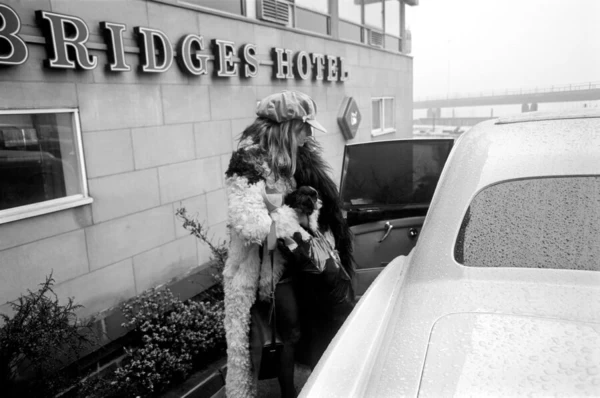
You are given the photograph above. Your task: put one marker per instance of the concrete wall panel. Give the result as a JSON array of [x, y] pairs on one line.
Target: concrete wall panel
[[16, 95], [227, 102], [127, 236], [122, 194], [185, 104], [184, 180], [117, 285], [159, 265], [216, 201], [161, 145], [212, 138], [108, 152], [25, 267], [112, 106], [36, 228]]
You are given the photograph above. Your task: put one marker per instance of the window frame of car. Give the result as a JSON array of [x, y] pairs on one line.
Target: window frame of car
[[383, 129], [81, 198]]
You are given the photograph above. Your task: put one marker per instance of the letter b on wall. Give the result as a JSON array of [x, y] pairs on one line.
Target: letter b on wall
[[13, 50]]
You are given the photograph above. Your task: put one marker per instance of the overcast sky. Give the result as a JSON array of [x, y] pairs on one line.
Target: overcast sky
[[462, 46]]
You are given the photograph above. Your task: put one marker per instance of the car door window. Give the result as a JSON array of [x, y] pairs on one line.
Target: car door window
[[383, 176]]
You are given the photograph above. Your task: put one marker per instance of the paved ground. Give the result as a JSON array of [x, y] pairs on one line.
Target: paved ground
[[270, 388]]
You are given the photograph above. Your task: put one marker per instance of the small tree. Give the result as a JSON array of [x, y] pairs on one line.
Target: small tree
[[219, 251], [38, 340]]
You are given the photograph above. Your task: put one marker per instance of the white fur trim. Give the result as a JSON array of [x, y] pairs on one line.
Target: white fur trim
[[240, 280], [248, 215]]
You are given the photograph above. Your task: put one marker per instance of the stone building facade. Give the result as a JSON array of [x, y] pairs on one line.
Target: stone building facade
[[146, 143]]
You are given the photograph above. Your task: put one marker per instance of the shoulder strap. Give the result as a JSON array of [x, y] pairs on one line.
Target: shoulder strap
[[272, 237]]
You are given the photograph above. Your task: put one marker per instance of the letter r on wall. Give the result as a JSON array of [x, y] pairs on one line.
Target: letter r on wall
[[58, 44]]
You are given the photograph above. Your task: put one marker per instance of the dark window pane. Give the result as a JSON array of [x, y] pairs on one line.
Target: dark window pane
[[312, 21], [350, 32], [389, 114], [376, 114], [232, 6], [38, 159], [534, 223], [392, 43], [394, 173]]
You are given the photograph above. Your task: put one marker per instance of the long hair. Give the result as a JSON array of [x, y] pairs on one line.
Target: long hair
[[314, 171], [279, 140]]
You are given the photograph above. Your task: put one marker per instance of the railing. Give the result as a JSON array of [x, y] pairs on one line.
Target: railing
[[497, 93]]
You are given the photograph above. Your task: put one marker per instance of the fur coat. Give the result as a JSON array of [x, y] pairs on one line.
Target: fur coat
[[249, 222]]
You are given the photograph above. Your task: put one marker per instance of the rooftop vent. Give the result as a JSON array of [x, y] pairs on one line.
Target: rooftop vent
[[375, 39], [277, 11]]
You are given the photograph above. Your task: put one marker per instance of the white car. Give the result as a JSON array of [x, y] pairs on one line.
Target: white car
[[501, 294]]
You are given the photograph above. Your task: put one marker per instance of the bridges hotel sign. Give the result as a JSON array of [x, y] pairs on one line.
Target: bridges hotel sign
[[66, 38]]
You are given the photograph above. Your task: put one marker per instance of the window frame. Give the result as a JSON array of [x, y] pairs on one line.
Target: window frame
[[188, 4], [53, 205], [361, 25], [333, 19], [383, 130]]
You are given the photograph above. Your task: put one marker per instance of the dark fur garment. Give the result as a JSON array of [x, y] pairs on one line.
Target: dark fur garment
[[312, 170], [247, 163]]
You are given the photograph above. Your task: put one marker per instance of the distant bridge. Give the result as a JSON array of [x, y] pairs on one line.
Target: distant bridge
[[565, 93]]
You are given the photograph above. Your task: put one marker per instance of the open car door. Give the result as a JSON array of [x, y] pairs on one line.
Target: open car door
[[386, 189]]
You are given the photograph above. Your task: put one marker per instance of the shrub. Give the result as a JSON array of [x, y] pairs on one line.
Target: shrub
[[38, 340], [171, 335]]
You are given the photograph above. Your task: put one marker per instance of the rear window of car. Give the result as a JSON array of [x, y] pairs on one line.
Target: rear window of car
[[551, 222]]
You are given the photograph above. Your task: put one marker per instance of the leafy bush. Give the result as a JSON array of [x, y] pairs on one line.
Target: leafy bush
[[38, 340], [171, 335]]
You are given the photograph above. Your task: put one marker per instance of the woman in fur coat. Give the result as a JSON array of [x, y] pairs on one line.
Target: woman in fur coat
[[273, 152]]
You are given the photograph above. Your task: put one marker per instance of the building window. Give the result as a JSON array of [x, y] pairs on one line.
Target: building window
[[383, 116], [374, 14], [41, 163], [350, 11], [313, 15], [392, 25], [321, 6], [230, 6]]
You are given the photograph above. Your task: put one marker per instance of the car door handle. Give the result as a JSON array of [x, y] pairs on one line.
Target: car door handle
[[388, 229]]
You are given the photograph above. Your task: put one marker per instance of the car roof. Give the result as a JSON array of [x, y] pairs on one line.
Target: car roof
[[545, 144]]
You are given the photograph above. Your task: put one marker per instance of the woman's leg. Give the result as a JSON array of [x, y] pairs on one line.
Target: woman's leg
[[289, 328]]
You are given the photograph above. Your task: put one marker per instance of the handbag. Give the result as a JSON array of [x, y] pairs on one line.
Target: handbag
[[266, 342], [320, 262]]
